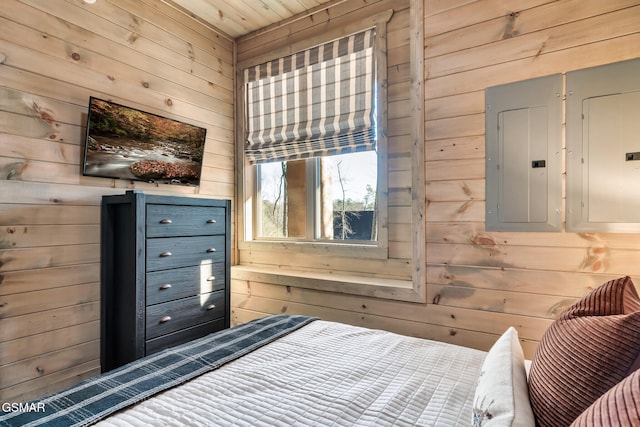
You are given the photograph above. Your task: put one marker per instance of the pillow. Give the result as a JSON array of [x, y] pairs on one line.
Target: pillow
[[501, 397], [587, 350], [620, 406]]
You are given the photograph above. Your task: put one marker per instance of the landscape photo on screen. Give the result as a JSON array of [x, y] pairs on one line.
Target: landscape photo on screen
[[127, 143]]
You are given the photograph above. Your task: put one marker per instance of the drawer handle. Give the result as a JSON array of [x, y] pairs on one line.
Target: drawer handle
[[165, 286], [165, 319], [211, 221], [211, 306], [211, 278], [211, 250], [165, 221], [165, 254]]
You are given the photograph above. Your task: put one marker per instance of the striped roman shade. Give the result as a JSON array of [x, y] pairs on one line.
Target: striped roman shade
[[316, 102]]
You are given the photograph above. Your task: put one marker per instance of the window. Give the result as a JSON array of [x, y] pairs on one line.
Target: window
[[334, 265], [312, 143], [325, 198]]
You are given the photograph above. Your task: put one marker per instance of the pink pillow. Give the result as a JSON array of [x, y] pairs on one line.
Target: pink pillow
[[618, 407], [588, 349]]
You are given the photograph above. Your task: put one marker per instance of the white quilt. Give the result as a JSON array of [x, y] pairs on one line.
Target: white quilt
[[325, 374]]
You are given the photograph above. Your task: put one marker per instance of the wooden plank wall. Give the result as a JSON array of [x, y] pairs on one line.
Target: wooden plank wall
[[310, 30], [253, 298], [53, 55], [489, 277], [397, 265], [479, 283]]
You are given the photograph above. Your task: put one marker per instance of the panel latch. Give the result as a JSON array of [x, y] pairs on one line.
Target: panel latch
[[633, 156], [538, 163]]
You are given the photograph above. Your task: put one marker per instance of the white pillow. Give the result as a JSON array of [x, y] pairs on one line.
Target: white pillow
[[502, 394]]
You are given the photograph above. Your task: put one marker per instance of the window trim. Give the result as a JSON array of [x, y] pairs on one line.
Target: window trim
[[247, 177], [414, 289]]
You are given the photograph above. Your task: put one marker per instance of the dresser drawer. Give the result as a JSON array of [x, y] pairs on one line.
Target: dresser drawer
[[179, 314], [184, 335], [163, 286], [172, 252], [184, 220]]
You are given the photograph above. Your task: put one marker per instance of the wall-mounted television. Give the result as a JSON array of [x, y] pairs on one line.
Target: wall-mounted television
[[126, 143]]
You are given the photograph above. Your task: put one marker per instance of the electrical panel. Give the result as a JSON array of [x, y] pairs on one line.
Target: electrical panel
[[523, 126], [603, 148]]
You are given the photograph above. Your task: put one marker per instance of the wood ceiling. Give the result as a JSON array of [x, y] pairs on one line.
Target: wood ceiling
[[239, 17]]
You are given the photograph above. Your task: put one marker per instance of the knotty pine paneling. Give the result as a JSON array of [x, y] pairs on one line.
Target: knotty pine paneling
[[287, 38], [151, 56], [254, 299], [35, 345], [575, 58], [464, 14], [521, 21], [29, 280], [534, 44], [479, 282], [55, 55], [530, 276]]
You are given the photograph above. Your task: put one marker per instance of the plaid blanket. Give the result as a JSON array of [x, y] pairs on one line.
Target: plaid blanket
[[96, 398]]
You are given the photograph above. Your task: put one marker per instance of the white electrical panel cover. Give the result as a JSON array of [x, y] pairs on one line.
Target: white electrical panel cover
[[524, 155], [603, 148]]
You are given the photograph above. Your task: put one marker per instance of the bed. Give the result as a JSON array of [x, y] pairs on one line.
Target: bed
[[296, 370], [279, 370]]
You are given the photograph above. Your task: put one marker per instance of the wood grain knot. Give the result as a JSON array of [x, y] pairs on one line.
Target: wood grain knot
[[484, 241], [46, 116]]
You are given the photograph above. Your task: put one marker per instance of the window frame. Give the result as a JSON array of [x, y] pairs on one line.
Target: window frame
[[313, 195], [412, 289], [248, 179]]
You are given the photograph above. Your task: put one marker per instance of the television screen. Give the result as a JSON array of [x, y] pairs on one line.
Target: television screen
[[126, 143]]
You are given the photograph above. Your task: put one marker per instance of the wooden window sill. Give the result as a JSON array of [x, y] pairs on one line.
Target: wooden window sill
[[396, 289]]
